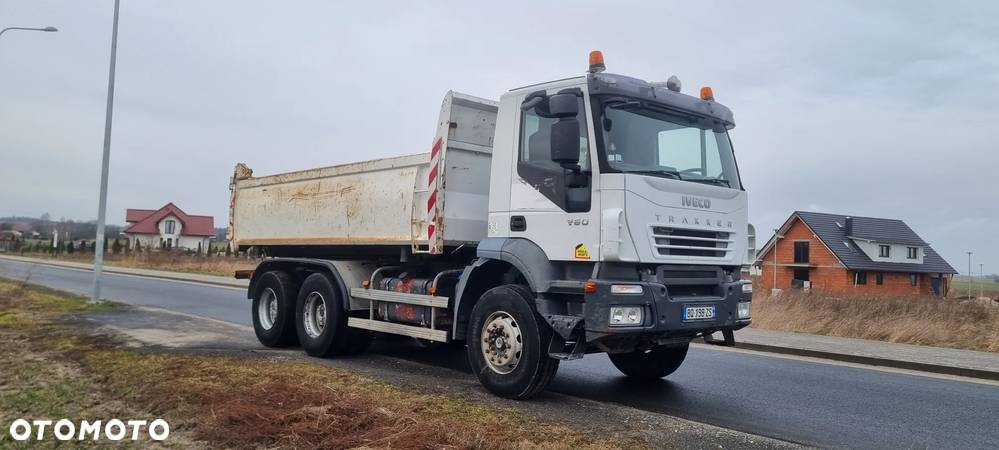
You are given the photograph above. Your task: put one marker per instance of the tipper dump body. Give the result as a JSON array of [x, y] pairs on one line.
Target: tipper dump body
[[426, 201]]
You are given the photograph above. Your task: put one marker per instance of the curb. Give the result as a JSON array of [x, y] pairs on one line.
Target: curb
[[873, 361], [158, 274]]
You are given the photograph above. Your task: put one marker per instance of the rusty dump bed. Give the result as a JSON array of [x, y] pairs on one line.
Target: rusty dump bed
[[400, 201]]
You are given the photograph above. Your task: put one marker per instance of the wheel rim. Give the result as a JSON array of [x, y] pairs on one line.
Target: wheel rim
[[502, 343], [267, 309], [315, 314]]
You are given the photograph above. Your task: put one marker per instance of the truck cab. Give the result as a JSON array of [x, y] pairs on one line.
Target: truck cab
[[632, 187]]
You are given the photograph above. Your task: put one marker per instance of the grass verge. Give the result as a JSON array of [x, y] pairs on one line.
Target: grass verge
[[51, 367], [930, 321]]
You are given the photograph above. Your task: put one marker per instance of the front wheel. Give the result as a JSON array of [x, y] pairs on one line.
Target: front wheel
[[650, 364], [507, 347]]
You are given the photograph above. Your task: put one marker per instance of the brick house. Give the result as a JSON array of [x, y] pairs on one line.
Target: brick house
[[842, 254], [168, 227]]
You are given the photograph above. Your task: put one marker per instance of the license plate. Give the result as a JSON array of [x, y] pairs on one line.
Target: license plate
[[698, 312]]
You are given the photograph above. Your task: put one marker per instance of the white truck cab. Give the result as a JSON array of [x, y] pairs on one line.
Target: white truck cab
[[599, 213], [647, 173]]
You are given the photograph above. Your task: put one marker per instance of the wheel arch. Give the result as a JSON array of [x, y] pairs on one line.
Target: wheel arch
[[501, 261], [479, 277]]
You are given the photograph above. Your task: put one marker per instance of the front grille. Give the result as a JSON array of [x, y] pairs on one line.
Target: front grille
[[670, 241]]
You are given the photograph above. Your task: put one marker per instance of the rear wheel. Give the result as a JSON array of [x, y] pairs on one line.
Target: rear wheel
[[274, 309], [650, 364], [321, 320], [507, 347]]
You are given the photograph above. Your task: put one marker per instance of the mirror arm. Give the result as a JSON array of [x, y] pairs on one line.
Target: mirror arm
[[533, 99]]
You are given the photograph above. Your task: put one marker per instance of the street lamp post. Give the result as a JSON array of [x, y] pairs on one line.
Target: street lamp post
[[981, 280], [46, 29], [105, 162]]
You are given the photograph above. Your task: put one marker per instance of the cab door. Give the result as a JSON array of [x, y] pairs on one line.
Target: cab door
[[554, 206]]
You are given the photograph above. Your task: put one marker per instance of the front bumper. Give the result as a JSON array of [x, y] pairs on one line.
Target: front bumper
[[663, 318]]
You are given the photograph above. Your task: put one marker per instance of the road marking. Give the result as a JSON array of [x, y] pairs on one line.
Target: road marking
[[193, 316], [832, 362]]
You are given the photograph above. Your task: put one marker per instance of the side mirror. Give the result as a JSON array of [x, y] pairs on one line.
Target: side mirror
[[565, 141], [563, 106]]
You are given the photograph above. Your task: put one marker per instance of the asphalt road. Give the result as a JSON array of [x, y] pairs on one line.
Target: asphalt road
[[826, 405]]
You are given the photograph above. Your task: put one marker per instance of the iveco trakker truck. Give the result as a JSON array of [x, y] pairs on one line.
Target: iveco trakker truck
[[599, 213]]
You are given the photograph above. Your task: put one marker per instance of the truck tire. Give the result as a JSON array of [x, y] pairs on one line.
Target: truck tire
[[650, 364], [273, 309], [507, 345], [321, 320]]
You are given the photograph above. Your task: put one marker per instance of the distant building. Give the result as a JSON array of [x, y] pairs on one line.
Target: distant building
[[842, 254], [9, 240], [168, 227]]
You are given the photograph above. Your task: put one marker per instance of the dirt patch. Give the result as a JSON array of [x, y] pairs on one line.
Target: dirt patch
[[918, 320]]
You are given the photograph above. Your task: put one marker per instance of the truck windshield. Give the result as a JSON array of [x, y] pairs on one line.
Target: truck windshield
[[638, 139]]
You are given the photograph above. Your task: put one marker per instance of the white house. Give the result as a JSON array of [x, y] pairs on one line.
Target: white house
[[168, 227]]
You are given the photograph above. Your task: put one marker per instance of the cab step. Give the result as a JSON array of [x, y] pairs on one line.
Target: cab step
[[398, 328]]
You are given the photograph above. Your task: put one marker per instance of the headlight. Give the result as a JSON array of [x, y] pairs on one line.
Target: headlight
[[747, 288], [625, 315], [745, 310], [626, 289]]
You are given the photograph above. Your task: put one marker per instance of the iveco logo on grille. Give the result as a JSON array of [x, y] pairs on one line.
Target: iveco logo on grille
[[696, 202]]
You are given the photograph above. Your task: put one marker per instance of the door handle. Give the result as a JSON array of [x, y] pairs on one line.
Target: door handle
[[518, 223]]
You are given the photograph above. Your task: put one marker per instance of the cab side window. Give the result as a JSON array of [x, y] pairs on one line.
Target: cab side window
[[535, 165]]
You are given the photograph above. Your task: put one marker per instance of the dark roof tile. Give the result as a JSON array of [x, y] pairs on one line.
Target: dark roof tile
[[830, 229]]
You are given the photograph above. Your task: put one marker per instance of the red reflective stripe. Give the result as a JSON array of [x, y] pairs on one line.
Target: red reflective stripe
[[436, 149], [432, 201], [430, 231], [433, 176]]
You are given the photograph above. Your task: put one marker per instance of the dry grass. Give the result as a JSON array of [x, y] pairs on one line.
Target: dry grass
[[911, 320], [172, 261], [51, 368]]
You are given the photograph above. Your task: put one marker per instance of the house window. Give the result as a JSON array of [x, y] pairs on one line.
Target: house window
[[885, 251], [861, 278], [913, 251], [169, 227], [800, 251], [800, 278], [879, 278], [914, 280]]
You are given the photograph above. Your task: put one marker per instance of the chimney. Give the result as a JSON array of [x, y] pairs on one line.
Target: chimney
[[848, 226]]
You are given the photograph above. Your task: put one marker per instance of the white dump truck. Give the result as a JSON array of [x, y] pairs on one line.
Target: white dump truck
[[599, 213]]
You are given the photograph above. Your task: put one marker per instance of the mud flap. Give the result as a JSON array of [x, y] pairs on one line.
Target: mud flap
[[567, 342], [728, 339]]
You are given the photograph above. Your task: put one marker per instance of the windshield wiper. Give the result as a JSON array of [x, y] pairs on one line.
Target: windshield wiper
[[669, 173], [718, 181]]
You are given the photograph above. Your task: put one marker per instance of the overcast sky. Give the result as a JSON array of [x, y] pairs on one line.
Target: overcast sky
[[885, 111]]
